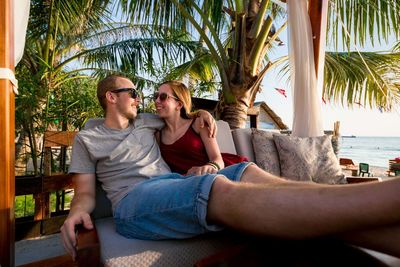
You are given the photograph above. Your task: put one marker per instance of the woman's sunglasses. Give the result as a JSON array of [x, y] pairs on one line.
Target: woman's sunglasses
[[132, 91], [163, 96]]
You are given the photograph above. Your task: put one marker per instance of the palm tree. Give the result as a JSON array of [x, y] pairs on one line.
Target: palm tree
[[75, 40], [238, 35]]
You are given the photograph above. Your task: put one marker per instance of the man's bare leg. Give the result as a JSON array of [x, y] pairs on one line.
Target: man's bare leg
[[296, 210], [384, 239]]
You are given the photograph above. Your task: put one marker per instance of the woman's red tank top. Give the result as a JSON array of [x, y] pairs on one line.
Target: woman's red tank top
[[186, 152], [189, 151]]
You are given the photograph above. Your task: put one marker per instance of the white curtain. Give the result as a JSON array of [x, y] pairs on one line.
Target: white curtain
[[21, 16], [307, 121]]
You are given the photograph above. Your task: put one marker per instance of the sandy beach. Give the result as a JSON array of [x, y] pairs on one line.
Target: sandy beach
[[376, 171]]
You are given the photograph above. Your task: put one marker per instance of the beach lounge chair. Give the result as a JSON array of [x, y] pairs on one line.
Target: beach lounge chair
[[346, 162], [364, 169], [394, 167]]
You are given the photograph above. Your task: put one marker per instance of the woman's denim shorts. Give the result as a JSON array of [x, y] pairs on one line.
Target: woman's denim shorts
[[170, 206]]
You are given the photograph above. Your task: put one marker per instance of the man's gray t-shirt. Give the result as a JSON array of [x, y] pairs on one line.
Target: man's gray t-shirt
[[120, 158]]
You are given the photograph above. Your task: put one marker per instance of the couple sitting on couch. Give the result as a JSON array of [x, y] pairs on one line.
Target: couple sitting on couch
[[150, 202]]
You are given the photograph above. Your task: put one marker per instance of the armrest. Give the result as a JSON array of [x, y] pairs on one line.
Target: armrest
[[225, 257], [353, 179], [88, 247]]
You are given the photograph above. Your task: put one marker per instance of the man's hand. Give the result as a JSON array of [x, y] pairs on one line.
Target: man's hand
[[205, 117], [200, 170], [68, 234]]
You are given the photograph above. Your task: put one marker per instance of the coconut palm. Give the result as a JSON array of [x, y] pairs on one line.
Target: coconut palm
[[239, 35]]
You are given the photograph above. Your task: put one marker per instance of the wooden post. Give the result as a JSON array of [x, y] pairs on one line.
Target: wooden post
[[7, 148], [315, 12], [316, 9]]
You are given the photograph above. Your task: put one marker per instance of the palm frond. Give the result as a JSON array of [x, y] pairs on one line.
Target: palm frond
[[140, 54], [357, 21], [156, 12], [200, 67], [368, 80]]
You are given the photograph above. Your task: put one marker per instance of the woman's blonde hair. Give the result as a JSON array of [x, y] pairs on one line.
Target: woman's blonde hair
[[181, 92]]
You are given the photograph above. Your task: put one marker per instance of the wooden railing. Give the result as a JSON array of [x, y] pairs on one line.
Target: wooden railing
[[44, 221]]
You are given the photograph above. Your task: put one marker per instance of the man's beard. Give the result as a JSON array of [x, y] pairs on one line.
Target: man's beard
[[131, 114]]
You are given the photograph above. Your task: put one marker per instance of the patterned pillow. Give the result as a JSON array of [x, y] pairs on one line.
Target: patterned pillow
[[265, 152], [308, 159]]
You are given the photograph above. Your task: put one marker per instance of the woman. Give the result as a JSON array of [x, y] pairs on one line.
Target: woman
[[184, 144]]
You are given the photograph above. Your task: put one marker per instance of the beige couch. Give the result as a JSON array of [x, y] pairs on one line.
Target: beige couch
[[115, 250]]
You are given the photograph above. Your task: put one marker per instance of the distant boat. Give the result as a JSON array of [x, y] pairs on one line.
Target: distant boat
[[348, 136]]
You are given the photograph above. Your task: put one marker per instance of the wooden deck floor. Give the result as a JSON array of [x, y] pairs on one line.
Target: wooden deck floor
[[35, 249]]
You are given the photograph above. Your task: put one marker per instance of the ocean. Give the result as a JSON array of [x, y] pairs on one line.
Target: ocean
[[376, 151]]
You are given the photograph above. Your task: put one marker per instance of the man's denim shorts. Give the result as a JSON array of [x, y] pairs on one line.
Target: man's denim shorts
[[170, 206]]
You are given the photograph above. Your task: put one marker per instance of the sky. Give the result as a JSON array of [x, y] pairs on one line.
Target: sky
[[358, 121]]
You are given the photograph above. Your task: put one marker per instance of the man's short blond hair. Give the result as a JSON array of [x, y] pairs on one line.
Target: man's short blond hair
[[105, 85]]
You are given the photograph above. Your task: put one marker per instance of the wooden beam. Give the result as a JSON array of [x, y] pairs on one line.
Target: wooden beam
[[58, 139], [315, 12], [7, 148]]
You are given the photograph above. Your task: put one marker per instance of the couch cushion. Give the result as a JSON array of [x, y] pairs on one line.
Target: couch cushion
[[244, 147], [103, 204], [117, 250], [308, 159], [265, 151], [224, 138]]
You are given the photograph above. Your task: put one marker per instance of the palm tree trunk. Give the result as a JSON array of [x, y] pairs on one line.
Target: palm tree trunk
[[235, 113], [29, 129]]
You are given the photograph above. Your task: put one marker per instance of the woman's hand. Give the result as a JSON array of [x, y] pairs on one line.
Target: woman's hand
[[200, 170]]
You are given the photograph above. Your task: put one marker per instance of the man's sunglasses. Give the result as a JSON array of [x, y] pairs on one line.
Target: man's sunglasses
[[163, 96], [132, 91]]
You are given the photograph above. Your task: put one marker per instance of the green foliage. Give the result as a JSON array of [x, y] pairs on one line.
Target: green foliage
[[366, 79], [25, 205], [359, 21], [73, 104], [69, 42]]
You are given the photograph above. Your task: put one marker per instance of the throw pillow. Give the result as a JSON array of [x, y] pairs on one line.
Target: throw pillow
[[265, 152], [308, 159]]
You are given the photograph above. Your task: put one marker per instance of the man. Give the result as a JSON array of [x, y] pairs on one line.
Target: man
[[151, 203]]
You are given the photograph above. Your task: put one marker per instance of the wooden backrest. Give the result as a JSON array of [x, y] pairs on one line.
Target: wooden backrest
[[57, 138]]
